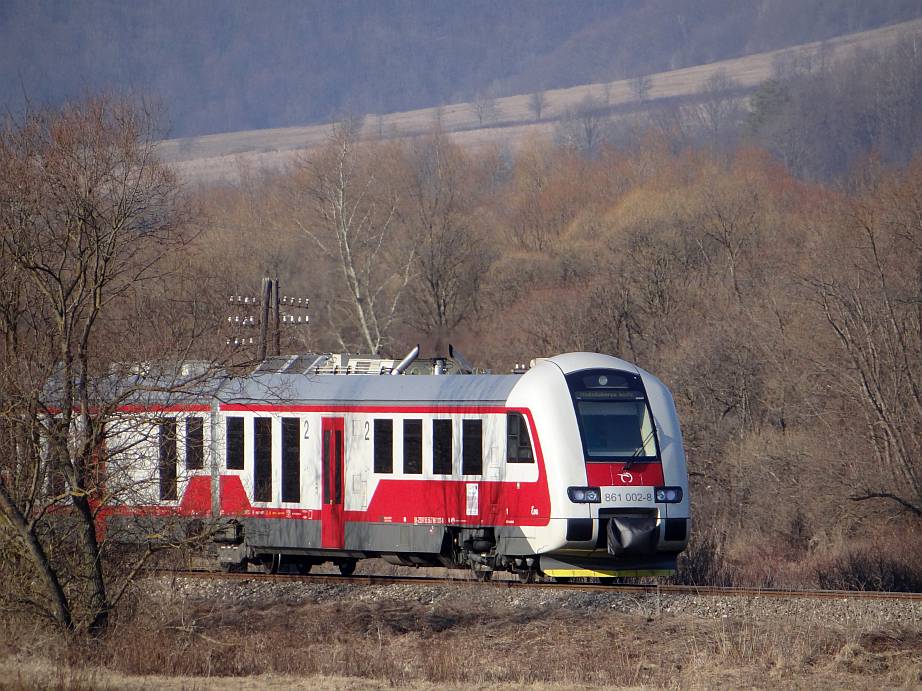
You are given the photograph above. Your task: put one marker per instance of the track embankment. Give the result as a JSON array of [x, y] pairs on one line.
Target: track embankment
[[845, 609], [626, 588]]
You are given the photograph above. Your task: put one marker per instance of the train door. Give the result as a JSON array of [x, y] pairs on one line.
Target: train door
[[332, 520]]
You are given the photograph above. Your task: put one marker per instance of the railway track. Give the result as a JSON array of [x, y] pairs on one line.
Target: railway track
[[643, 589]]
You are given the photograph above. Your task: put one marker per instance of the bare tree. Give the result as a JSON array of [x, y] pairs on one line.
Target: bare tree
[[730, 220], [585, 127], [88, 218], [536, 103], [719, 112], [351, 216], [871, 303], [641, 85], [485, 108], [671, 123], [438, 114], [606, 93], [452, 257]]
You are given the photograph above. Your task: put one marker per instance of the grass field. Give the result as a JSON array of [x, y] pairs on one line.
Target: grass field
[[221, 157]]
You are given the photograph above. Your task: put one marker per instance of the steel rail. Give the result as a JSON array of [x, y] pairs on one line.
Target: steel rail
[[636, 589]]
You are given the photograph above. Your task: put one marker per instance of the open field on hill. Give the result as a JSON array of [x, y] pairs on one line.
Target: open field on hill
[[221, 157], [247, 634]]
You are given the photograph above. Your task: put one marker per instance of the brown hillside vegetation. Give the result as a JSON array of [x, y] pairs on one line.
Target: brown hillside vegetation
[[782, 314], [511, 122]]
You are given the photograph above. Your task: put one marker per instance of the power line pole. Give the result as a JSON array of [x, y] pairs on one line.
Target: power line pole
[[276, 317], [265, 298]]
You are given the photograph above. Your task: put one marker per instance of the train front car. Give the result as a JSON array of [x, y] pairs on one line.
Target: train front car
[[615, 467], [574, 468]]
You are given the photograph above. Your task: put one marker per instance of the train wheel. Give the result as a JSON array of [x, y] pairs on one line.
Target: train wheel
[[347, 568], [483, 576], [526, 576], [271, 565], [303, 567]]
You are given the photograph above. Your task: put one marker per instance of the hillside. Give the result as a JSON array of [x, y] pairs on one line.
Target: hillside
[[230, 66], [220, 157]]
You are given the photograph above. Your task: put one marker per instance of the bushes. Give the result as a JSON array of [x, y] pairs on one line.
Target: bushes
[[704, 562], [891, 563], [886, 565]]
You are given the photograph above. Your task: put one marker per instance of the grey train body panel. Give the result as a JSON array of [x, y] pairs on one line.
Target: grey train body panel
[[297, 535], [270, 534]]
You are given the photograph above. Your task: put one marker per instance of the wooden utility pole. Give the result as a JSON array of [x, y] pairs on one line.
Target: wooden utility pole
[[274, 315], [265, 296]]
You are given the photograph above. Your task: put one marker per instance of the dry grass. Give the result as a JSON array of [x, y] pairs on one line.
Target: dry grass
[[346, 643], [260, 636]]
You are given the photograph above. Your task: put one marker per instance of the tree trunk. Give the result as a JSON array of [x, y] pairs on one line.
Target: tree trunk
[[60, 610]]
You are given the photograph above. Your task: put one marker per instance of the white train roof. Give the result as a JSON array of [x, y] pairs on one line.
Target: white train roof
[[310, 389], [279, 387], [574, 362]]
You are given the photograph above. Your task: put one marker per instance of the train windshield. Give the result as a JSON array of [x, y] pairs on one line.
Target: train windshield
[[613, 415]]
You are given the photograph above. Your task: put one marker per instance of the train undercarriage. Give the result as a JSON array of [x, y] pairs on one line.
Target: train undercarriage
[[471, 549]]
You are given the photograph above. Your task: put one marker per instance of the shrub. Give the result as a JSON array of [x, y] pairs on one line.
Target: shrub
[[704, 561], [871, 567]]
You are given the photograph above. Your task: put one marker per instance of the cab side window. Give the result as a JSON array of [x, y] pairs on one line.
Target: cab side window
[[518, 443]]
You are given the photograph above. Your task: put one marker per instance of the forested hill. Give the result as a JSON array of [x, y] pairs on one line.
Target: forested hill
[[223, 66]]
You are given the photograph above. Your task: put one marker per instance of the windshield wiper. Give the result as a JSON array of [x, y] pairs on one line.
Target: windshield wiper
[[642, 447]]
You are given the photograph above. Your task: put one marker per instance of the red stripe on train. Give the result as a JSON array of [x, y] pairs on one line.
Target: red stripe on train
[[419, 501], [616, 474], [196, 501]]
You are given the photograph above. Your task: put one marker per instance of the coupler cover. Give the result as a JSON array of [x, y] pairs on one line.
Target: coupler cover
[[632, 534]]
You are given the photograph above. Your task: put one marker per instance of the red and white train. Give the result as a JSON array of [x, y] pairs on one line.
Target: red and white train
[[572, 468]]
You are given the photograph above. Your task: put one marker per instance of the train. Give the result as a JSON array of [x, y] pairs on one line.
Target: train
[[571, 467]]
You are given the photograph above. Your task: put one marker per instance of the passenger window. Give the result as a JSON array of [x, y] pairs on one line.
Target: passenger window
[[441, 447], [471, 447], [195, 444], [234, 445], [167, 464], [412, 447], [384, 446], [518, 444], [291, 459], [262, 459]]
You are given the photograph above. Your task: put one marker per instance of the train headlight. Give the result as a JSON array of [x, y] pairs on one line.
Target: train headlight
[[668, 495], [584, 495]]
